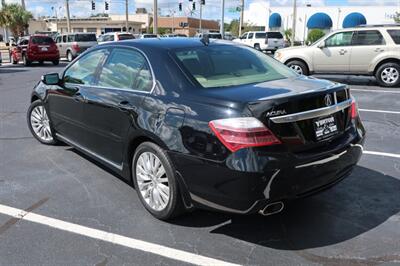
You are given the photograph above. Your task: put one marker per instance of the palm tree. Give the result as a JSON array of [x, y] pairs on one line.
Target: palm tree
[[15, 17]]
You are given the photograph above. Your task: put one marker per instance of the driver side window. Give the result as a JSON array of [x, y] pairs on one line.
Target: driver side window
[[339, 39], [83, 71]]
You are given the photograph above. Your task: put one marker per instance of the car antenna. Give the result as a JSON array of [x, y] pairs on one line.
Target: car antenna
[[205, 39]]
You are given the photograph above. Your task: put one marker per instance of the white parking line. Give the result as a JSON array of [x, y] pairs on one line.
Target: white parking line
[[384, 91], [379, 111], [393, 155], [160, 250]]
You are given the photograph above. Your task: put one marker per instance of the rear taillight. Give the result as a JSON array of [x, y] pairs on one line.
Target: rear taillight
[[353, 110], [75, 46], [242, 132]]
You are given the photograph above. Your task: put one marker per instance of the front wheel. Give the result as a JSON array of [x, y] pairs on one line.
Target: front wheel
[[155, 181], [39, 123], [257, 47], [388, 75], [56, 62], [13, 61], [299, 67]]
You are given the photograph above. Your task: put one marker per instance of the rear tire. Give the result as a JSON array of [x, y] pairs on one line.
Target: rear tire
[[56, 62], [41, 62], [156, 183], [388, 75], [299, 67], [13, 61], [39, 123], [26, 60]]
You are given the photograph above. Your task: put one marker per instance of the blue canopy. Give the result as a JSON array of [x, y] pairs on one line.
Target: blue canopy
[[275, 21], [319, 21], [353, 20]]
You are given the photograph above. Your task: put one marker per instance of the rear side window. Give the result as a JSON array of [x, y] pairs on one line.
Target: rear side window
[[260, 35], [125, 37], [85, 37], [150, 36], [226, 65], [42, 40], [395, 34], [274, 35], [108, 38], [370, 37], [71, 38], [126, 69], [83, 71]]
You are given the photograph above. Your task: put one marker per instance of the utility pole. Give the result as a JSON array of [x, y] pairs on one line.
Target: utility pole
[[241, 17], [155, 21], [67, 9], [126, 15], [23, 4], [201, 13], [221, 28], [294, 21]]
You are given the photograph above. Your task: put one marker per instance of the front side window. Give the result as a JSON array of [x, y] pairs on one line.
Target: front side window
[[58, 40], [83, 71], [126, 69], [244, 36], [226, 65], [395, 34], [64, 38], [71, 38], [368, 37], [339, 39], [250, 36]]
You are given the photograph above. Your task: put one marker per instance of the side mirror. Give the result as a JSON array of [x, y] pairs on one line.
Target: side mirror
[[321, 45], [51, 79]]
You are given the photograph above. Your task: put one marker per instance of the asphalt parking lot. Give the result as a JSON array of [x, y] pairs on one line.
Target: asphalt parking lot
[[57, 207]]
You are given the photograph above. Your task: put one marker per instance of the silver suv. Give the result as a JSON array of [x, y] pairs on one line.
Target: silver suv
[[73, 44], [365, 50]]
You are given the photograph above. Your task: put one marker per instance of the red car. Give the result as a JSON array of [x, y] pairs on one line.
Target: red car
[[35, 48]]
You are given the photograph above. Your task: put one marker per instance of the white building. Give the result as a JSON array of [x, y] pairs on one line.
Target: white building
[[327, 18]]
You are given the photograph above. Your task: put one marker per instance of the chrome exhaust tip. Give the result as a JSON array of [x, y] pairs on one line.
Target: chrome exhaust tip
[[272, 208]]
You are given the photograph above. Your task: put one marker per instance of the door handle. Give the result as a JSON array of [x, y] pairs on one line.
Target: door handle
[[78, 97], [342, 51], [126, 106], [378, 50]]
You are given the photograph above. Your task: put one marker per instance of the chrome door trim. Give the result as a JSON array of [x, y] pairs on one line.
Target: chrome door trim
[[80, 147], [312, 113]]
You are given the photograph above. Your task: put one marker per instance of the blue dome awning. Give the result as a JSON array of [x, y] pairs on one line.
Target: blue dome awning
[[319, 21], [353, 20], [275, 21]]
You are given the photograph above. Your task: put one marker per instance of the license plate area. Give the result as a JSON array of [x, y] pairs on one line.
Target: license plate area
[[43, 49], [325, 127]]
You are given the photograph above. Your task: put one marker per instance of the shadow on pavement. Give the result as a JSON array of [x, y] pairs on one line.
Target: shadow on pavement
[[358, 204], [350, 80]]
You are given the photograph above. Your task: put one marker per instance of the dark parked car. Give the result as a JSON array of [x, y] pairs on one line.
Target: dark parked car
[[196, 124], [35, 48]]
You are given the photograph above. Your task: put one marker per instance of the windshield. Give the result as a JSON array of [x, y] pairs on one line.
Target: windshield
[[85, 37], [42, 40], [228, 65]]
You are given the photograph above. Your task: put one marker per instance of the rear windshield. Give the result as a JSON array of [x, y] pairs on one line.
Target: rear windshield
[[260, 35], [226, 65], [150, 36], [395, 34], [274, 35], [42, 40], [85, 37], [215, 35], [125, 36]]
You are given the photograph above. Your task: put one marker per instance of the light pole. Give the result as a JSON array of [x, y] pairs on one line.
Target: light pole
[[221, 27], [55, 11], [126, 15], [241, 17], [294, 21], [338, 18], [305, 25], [201, 14], [155, 21], [67, 10]]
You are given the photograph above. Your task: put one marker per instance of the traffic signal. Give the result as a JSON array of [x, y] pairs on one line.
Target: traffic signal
[[93, 5], [180, 6], [203, 2], [194, 6], [106, 5]]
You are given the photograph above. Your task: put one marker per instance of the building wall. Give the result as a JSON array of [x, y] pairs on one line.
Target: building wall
[[193, 25], [258, 14], [146, 19]]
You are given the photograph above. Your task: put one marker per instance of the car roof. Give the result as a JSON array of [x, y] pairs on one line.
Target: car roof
[[168, 43]]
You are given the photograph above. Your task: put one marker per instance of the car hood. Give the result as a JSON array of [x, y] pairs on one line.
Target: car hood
[[270, 89]]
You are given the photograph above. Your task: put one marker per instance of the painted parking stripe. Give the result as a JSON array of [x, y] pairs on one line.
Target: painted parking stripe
[[386, 154], [121, 240], [383, 91], [379, 111]]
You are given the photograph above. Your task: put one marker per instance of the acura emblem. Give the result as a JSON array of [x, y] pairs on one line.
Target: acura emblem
[[328, 100]]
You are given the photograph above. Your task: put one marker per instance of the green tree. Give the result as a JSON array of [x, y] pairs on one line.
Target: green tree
[[397, 17], [15, 18], [288, 35], [314, 35]]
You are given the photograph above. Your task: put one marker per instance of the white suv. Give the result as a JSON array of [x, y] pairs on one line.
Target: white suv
[[369, 50], [261, 40]]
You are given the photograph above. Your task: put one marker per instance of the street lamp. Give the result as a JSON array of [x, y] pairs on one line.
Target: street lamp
[[305, 24]]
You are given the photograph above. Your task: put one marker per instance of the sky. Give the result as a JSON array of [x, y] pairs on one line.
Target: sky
[[211, 10]]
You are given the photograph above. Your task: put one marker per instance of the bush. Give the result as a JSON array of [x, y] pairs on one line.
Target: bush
[[314, 35]]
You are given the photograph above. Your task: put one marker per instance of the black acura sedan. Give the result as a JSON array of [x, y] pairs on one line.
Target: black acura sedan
[[198, 123]]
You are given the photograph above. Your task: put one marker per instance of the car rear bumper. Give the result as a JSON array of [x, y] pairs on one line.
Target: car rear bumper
[[44, 57], [250, 179]]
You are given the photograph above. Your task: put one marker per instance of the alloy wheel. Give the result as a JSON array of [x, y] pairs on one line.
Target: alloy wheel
[[40, 123], [152, 181], [297, 69], [390, 75]]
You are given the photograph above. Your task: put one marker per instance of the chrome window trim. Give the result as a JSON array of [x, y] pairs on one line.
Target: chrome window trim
[[312, 113]]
